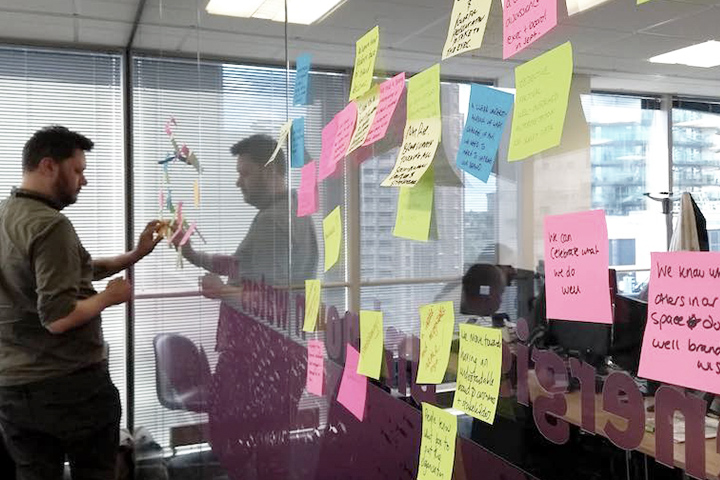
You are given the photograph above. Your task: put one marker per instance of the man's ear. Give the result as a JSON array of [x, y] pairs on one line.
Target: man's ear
[[48, 166]]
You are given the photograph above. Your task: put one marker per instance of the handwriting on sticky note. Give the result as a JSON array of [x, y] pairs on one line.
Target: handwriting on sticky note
[[346, 120], [302, 79], [371, 343], [366, 110], [312, 304], [437, 446], [487, 113], [196, 193], [188, 234], [415, 208], [467, 26], [681, 344], [437, 322], [365, 53], [353, 387], [420, 143], [524, 21], [297, 142], [479, 372], [332, 232], [282, 138], [327, 165], [542, 90], [315, 367], [423, 96], [576, 267], [390, 93], [308, 191]]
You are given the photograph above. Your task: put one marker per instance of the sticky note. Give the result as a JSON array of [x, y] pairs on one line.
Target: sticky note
[[282, 138], [467, 26], [346, 120], [353, 387], [366, 110], [196, 193], [423, 96], [541, 100], [420, 142], [308, 191], [327, 165], [371, 343], [302, 79], [486, 118], [315, 367], [577, 260], [365, 53], [188, 234], [312, 304], [390, 92], [297, 142], [640, 2], [681, 345], [332, 232], [437, 446], [415, 207], [479, 371], [437, 322], [162, 199], [524, 21]]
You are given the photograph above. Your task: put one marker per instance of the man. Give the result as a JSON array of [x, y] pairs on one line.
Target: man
[[258, 381], [56, 396]]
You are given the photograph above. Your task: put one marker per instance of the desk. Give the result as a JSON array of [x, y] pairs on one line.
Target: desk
[[647, 445]]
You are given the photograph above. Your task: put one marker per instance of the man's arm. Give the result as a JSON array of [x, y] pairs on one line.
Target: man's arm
[[224, 265], [117, 291], [149, 238]]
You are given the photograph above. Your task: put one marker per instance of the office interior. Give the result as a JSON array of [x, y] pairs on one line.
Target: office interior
[[131, 74]]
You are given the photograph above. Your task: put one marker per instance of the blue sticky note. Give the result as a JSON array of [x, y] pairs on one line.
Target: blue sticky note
[[297, 142], [487, 113], [302, 79]]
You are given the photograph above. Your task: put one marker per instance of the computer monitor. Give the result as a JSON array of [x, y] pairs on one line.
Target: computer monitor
[[628, 330]]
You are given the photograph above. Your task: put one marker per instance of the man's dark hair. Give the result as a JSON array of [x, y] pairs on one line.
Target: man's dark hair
[[55, 142], [259, 148]]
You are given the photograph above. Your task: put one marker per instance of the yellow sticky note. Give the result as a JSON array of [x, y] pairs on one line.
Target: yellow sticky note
[[420, 143], [196, 193], [367, 106], [332, 232], [365, 53], [415, 207], [467, 26], [423, 94], [479, 372], [312, 304], [437, 446], [437, 322], [541, 100], [640, 2], [371, 343]]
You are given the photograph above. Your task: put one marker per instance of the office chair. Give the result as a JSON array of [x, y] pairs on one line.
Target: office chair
[[182, 373]]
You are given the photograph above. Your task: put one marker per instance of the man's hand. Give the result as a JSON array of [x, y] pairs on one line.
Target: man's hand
[[118, 291], [211, 286], [149, 238]]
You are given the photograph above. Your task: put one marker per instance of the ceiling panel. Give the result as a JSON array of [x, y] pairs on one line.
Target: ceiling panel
[[103, 32], [640, 47], [700, 26], [41, 6], [100, 10], [33, 27]]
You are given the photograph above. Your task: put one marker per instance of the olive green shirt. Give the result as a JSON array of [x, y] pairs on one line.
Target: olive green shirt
[[44, 271]]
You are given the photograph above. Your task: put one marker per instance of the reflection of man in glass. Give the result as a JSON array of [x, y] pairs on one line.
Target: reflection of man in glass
[[260, 374]]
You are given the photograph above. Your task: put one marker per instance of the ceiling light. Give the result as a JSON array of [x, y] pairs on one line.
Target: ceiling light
[[577, 6], [704, 55], [303, 12]]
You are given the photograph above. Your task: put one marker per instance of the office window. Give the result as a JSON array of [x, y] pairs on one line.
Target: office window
[[83, 92]]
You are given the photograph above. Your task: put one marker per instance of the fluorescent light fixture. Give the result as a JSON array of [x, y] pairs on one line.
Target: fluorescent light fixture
[[577, 6], [302, 12], [706, 55]]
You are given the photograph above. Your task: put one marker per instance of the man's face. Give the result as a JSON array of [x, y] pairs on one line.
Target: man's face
[[252, 180], [70, 178]]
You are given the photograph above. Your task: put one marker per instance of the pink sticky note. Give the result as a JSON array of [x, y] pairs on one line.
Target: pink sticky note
[[390, 92], [353, 387], [327, 167], [345, 128], [577, 258], [162, 199], [315, 367], [187, 235], [178, 214], [525, 21], [308, 191], [682, 335]]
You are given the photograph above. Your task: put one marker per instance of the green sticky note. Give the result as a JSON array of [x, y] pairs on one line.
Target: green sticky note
[[312, 304], [371, 343], [640, 2], [437, 446], [423, 94], [414, 210], [365, 53], [332, 232], [541, 100], [437, 322], [479, 372]]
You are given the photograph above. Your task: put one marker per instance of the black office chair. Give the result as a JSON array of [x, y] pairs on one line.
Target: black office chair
[[182, 373]]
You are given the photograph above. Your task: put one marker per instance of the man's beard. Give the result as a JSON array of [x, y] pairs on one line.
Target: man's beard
[[64, 193]]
